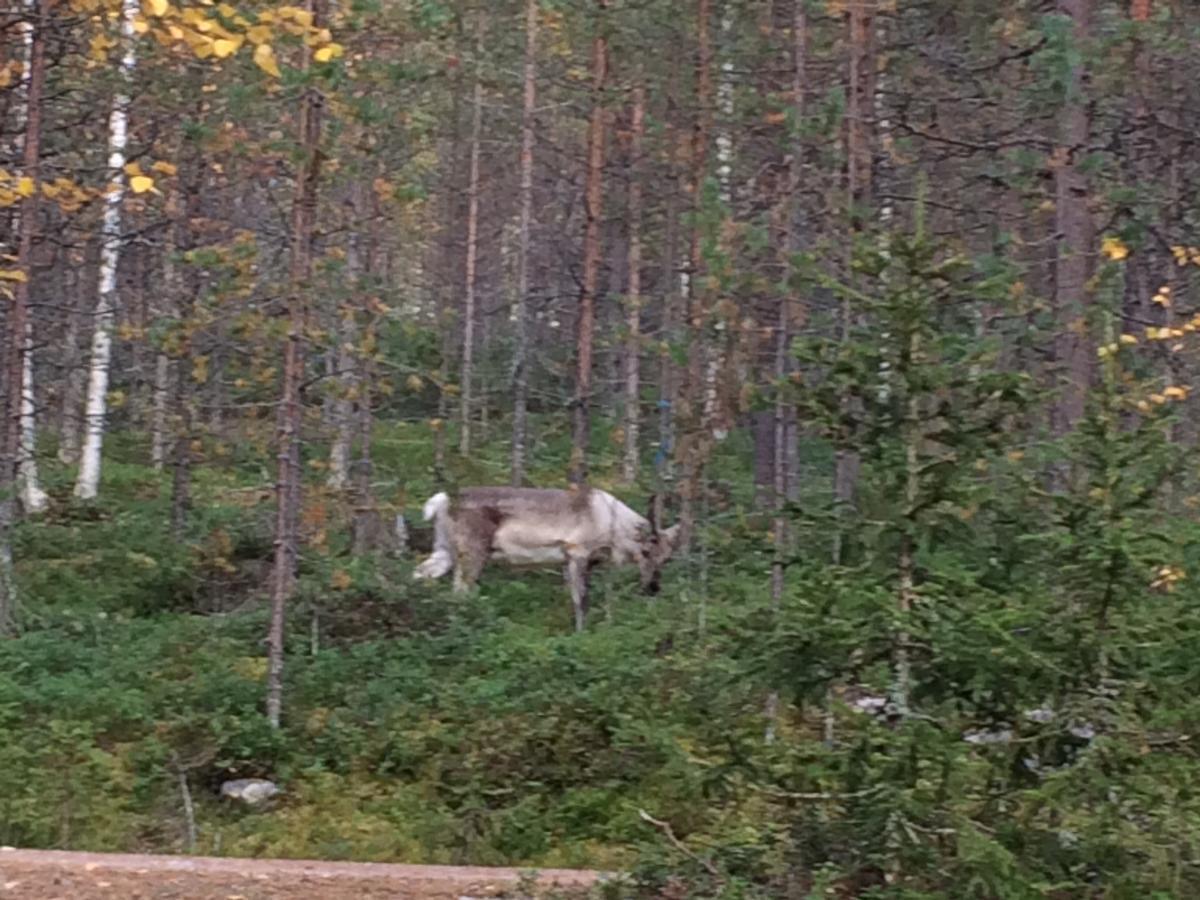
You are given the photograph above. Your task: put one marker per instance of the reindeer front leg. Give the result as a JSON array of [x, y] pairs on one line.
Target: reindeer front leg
[[577, 569]]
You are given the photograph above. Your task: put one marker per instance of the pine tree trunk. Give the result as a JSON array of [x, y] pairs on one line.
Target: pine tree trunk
[[794, 244], [692, 445], [860, 103], [521, 312], [1073, 228], [633, 293], [466, 386], [585, 322], [291, 411], [87, 484]]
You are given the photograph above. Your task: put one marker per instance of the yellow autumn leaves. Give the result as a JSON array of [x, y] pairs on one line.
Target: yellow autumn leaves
[[219, 31], [69, 196], [1114, 248]]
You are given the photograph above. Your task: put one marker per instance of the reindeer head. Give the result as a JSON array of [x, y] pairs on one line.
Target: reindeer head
[[657, 547]]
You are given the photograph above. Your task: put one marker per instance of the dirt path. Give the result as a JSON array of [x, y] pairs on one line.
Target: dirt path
[[58, 875]]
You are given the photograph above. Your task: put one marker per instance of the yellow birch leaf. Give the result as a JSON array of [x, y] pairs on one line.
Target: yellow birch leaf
[[258, 34], [132, 169], [226, 10], [13, 275], [141, 183], [324, 55], [25, 186], [303, 17], [264, 58], [140, 25], [224, 47], [158, 7], [164, 167]]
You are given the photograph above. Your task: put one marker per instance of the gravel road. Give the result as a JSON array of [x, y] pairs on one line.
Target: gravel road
[[59, 875]]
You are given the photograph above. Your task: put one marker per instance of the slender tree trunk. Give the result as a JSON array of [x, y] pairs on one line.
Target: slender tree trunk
[[521, 312], [71, 402], [466, 387], [669, 375], [291, 411], [347, 383], [18, 318], [906, 563], [860, 103], [692, 448], [633, 294], [367, 526], [33, 498], [783, 412], [1073, 228], [594, 201], [162, 397], [87, 484]]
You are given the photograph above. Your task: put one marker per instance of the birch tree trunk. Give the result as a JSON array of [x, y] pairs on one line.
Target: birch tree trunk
[[585, 323], [33, 498], [472, 262], [633, 293], [521, 310], [291, 412], [18, 349], [87, 483]]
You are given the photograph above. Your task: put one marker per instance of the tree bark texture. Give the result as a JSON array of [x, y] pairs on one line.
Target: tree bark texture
[[594, 202], [1073, 234], [633, 292], [291, 411], [87, 484], [520, 424], [466, 385]]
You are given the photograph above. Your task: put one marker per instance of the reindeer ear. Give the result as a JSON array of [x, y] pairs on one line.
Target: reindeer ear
[[671, 536]]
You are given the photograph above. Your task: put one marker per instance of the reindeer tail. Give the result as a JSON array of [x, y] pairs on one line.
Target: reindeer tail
[[438, 503]]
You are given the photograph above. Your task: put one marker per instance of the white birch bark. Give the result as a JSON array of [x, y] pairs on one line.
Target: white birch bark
[[33, 498], [717, 357], [88, 482]]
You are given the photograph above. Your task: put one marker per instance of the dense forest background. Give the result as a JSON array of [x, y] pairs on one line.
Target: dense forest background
[[892, 303]]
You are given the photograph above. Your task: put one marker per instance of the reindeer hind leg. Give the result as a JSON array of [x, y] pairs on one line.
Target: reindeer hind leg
[[473, 545]]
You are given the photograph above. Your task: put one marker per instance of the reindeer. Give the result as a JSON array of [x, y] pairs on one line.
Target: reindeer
[[578, 527]]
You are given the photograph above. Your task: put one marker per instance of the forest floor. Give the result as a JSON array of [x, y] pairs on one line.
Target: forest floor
[[58, 875]]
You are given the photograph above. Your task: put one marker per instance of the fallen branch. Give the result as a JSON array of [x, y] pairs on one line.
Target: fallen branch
[[665, 828]]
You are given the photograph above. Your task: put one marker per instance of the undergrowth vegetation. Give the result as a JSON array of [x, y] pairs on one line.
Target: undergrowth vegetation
[[1048, 751]]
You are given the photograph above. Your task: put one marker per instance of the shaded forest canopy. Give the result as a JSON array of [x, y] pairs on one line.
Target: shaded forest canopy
[[891, 304]]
